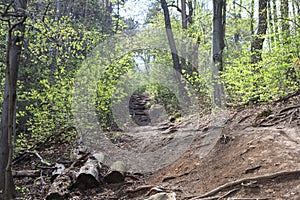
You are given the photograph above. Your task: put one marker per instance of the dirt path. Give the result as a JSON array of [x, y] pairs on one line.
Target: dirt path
[[194, 156], [230, 155]]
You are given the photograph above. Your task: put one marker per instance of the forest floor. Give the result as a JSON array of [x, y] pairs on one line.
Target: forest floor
[[248, 153]]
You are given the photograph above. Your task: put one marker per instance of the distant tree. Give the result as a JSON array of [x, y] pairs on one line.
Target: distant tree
[[258, 39], [284, 9], [219, 20]]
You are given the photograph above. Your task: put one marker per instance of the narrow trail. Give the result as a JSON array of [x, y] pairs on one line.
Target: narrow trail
[[151, 144], [218, 156]]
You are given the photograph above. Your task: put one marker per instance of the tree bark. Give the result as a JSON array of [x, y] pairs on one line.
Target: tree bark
[[284, 9], [13, 52], [252, 18], [258, 40], [174, 52], [108, 14], [271, 25], [184, 26], [219, 10], [237, 17], [191, 12], [116, 173], [88, 176], [275, 20]]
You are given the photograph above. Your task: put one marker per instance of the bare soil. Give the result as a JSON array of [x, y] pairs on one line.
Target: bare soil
[[253, 145]]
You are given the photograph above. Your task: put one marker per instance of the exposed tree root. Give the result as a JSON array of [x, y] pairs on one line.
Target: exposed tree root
[[287, 115], [245, 180], [288, 96]]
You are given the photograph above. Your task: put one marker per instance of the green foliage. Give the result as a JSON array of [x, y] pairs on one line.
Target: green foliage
[[52, 110], [111, 76], [163, 96], [55, 47], [275, 76], [54, 52]]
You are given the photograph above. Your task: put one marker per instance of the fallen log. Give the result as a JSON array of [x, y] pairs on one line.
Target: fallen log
[[88, 175], [59, 169], [26, 173], [116, 173], [59, 189]]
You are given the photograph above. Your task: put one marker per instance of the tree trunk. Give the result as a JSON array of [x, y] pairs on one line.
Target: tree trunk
[[271, 25], [108, 14], [13, 52], [237, 17], [174, 52], [178, 64], [219, 10], [296, 17], [252, 18], [184, 26], [275, 20], [191, 11], [258, 41], [284, 9], [59, 9]]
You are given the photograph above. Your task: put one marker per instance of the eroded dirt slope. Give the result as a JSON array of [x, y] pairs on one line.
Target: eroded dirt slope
[[245, 149], [246, 153]]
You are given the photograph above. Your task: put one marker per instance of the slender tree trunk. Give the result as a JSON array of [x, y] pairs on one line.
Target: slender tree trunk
[[284, 9], [118, 17], [258, 40], [271, 25], [294, 13], [174, 52], [58, 10], [184, 25], [219, 11], [237, 17], [184, 15], [252, 18], [296, 17], [175, 58], [191, 11], [108, 13], [86, 9], [275, 20], [14, 47], [177, 62]]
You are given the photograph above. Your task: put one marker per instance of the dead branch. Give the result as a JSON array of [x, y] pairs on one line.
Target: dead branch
[[26, 173], [39, 157]]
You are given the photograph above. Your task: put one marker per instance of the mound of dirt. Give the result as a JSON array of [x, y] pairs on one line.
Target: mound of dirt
[[248, 161]]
